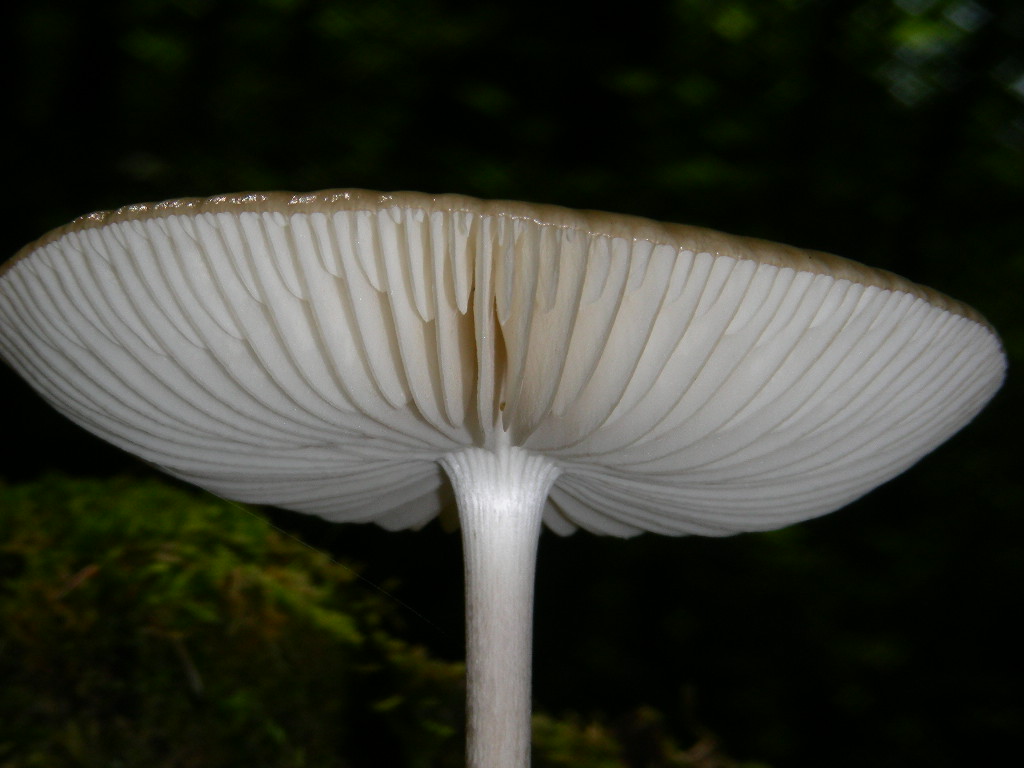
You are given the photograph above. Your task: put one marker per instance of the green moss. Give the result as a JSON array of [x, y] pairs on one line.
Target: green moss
[[143, 625]]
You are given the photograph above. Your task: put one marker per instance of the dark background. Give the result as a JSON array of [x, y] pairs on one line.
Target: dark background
[[889, 131]]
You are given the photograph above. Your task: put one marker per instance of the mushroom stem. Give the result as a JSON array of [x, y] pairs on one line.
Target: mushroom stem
[[501, 496]]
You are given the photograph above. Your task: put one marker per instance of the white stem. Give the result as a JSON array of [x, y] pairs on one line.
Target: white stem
[[501, 496]]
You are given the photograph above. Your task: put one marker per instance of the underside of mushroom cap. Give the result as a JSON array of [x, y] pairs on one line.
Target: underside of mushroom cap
[[323, 352]]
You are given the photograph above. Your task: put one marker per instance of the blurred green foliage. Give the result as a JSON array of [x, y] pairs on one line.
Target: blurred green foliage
[[142, 625]]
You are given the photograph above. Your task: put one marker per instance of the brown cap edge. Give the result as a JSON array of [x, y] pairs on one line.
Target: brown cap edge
[[680, 236]]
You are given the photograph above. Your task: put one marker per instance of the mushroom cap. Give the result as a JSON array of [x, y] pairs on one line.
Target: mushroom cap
[[322, 352]]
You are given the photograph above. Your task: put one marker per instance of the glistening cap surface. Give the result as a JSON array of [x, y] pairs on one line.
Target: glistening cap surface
[[321, 352]]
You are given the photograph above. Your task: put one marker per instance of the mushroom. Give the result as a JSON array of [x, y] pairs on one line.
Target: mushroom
[[339, 353]]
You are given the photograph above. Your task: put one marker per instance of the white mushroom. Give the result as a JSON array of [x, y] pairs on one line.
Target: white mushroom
[[339, 353]]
